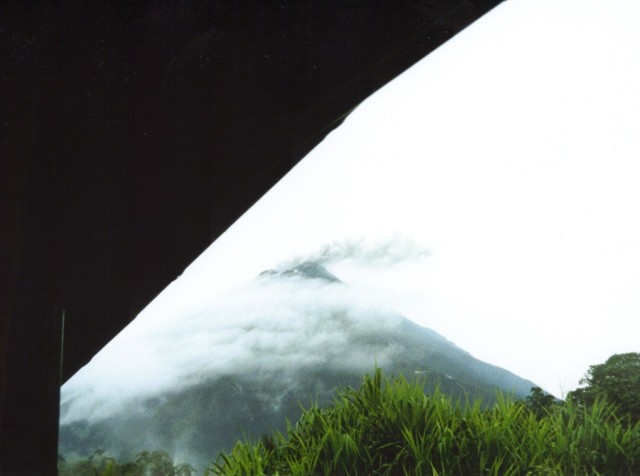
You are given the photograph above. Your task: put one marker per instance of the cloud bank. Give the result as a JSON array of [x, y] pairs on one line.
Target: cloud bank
[[273, 323]]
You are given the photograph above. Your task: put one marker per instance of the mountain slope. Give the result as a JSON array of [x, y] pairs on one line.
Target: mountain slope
[[307, 334]]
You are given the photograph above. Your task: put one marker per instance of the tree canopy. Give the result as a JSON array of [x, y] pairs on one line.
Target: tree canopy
[[540, 402], [616, 381]]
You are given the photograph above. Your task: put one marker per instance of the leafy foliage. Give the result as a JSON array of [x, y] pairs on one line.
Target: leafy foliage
[[540, 402], [155, 463], [616, 381], [390, 427]]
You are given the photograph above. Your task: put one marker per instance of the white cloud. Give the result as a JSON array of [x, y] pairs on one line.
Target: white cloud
[[272, 323]]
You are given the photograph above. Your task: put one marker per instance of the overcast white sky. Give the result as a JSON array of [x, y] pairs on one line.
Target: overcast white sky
[[511, 153]]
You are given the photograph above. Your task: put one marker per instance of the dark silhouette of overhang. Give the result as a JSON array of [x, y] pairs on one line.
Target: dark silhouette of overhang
[[135, 133]]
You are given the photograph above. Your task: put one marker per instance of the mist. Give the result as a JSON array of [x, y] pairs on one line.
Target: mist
[[193, 383], [270, 323], [281, 326], [368, 253]]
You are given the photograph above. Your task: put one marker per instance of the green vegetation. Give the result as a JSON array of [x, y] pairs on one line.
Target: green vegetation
[[616, 381], [154, 463], [390, 427]]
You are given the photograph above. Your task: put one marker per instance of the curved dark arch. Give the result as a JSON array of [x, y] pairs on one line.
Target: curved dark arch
[[134, 133]]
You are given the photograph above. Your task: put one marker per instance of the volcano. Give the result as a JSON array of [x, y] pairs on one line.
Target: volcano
[[240, 369]]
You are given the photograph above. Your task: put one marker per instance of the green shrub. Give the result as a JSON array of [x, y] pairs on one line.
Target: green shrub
[[390, 427]]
